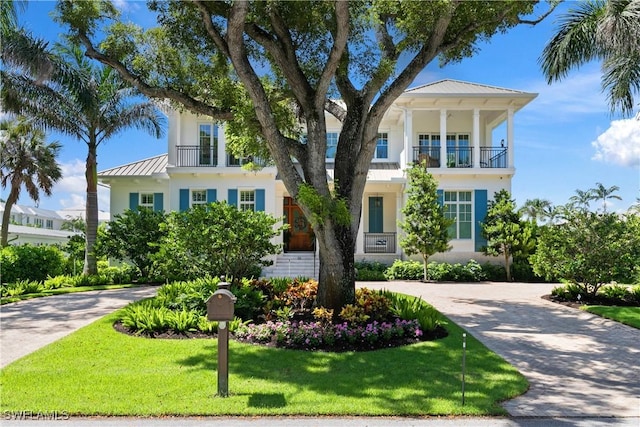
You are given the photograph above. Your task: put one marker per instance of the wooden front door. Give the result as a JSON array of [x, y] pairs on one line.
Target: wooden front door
[[299, 234]]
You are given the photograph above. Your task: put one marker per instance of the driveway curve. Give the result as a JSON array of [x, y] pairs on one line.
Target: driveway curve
[[26, 326], [577, 364]]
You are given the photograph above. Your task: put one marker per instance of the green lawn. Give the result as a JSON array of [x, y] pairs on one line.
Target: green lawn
[[627, 315], [98, 371], [60, 291]]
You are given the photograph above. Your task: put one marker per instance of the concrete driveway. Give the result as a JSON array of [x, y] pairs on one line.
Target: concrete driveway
[[577, 364], [28, 325]]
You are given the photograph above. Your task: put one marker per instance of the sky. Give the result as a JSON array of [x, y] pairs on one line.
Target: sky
[[565, 139]]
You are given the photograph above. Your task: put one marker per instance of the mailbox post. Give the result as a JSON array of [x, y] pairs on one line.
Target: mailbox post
[[220, 307]]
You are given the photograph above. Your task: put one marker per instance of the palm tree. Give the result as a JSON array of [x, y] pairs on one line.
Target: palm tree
[[536, 209], [581, 199], [85, 101], [26, 161], [603, 193], [602, 30]]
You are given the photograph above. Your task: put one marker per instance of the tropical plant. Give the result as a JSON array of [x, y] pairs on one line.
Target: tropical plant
[[216, 240], [600, 192], [424, 223], [203, 58], [92, 106], [27, 161], [599, 30], [133, 236], [536, 209], [505, 233]]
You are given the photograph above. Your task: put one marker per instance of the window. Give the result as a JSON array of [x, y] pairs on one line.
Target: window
[[429, 140], [458, 151], [458, 206], [208, 143], [38, 222], [382, 146], [146, 200], [50, 224], [198, 197], [247, 200], [332, 144]]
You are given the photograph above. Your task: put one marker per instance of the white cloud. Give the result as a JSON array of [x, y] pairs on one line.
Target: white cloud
[[620, 144], [72, 188]]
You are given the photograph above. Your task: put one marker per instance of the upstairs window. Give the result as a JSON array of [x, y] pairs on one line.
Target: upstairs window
[[332, 144], [382, 146], [208, 144], [49, 224]]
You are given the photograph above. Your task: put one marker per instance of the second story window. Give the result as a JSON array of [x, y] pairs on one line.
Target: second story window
[[146, 200], [38, 222], [198, 197], [208, 144], [49, 224], [247, 200], [332, 144], [382, 146]]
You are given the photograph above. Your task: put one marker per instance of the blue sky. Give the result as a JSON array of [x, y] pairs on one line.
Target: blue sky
[[565, 139]]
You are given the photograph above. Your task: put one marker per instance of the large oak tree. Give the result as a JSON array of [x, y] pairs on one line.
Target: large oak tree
[[263, 64]]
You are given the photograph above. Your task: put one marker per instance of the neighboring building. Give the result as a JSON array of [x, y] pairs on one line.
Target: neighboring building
[[449, 123], [36, 226]]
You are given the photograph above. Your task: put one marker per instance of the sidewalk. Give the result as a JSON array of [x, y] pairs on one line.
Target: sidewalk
[[26, 326]]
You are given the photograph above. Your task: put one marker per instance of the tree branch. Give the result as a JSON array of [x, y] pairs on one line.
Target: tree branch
[[152, 91], [543, 16]]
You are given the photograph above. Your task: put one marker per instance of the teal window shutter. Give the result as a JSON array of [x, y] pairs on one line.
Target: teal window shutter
[[260, 200], [232, 198], [480, 212], [212, 195], [375, 215], [133, 201], [184, 199], [440, 197], [158, 202]]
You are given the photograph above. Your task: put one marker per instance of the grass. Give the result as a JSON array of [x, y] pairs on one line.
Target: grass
[[98, 371], [60, 291], [627, 315]]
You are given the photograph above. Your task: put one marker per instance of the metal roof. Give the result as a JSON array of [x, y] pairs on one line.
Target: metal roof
[[450, 87], [146, 167]]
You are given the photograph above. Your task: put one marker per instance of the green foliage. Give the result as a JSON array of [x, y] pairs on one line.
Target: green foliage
[[370, 271], [215, 240], [59, 282], [493, 272], [145, 317], [412, 308], [615, 294], [250, 300], [405, 270], [425, 224], [133, 236], [323, 206], [506, 234], [589, 249], [568, 292], [28, 262]]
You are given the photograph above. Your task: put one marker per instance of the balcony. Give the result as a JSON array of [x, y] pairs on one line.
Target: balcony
[[233, 161], [380, 243], [461, 157], [196, 156]]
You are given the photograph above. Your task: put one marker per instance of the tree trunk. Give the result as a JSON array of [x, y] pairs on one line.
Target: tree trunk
[[425, 262], [91, 210], [506, 265], [6, 215]]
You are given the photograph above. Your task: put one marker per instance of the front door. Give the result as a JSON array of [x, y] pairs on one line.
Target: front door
[[299, 235]]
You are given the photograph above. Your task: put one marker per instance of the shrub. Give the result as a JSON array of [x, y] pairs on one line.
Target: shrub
[[615, 294], [568, 292], [63, 281], [370, 271], [405, 270], [28, 262], [493, 272], [412, 308], [250, 300], [183, 321], [634, 295], [145, 317], [301, 294]]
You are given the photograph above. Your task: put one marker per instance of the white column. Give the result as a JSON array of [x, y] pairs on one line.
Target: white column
[[399, 217], [222, 147], [173, 136], [408, 140], [443, 138], [476, 138], [510, 144]]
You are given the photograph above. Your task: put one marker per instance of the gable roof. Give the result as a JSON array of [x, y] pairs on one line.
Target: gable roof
[[146, 167], [449, 87]]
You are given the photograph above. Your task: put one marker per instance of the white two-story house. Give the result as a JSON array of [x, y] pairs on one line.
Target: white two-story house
[[463, 131]]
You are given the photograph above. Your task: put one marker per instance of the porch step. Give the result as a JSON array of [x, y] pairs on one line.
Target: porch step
[[294, 264]]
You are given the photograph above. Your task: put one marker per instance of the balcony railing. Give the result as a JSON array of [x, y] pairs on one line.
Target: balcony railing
[[461, 157], [196, 156], [233, 161], [491, 157], [381, 243]]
